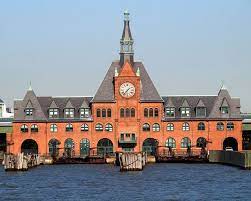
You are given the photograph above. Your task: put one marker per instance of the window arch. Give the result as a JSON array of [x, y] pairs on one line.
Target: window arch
[[145, 112], [201, 126], [109, 112], [185, 142], [156, 112], [170, 127], [54, 128], [127, 112], [84, 127], [132, 112], [156, 127], [98, 113], [34, 128], [201, 142], [170, 142], [220, 126], [103, 112], [24, 128], [108, 127], [122, 112], [69, 128], [151, 112], [230, 126], [99, 127], [185, 126], [146, 127]]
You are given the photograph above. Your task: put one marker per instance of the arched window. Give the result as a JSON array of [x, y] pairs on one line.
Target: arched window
[[127, 112], [201, 142], [145, 112], [84, 127], [103, 112], [156, 112], [34, 128], [230, 126], [146, 127], [98, 113], [151, 112], [109, 112], [170, 127], [170, 142], [99, 127], [53, 128], [108, 127], [185, 126], [201, 126], [185, 142], [69, 128], [156, 127], [220, 126], [122, 112], [69, 148], [132, 112], [24, 128]]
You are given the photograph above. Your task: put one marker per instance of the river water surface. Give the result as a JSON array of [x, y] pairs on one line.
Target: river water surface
[[106, 182]]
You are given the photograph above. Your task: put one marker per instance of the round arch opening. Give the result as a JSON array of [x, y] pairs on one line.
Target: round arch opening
[[29, 146], [150, 146], [54, 147], [230, 142], [104, 147]]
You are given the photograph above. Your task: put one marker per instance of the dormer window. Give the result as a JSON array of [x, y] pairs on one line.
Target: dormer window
[[185, 111], [69, 113], [170, 111], [200, 112], [224, 110], [84, 113], [53, 113], [28, 111]]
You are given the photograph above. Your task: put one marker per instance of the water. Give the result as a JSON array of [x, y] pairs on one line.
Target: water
[[106, 182]]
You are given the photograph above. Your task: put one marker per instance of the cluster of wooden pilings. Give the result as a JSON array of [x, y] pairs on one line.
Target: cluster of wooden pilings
[[20, 162], [132, 161]]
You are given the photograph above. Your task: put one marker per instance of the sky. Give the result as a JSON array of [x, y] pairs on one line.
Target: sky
[[64, 48]]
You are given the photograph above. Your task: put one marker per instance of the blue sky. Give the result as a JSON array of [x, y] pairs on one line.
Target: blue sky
[[65, 47]]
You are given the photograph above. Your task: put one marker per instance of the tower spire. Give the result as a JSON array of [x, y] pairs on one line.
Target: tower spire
[[126, 42]]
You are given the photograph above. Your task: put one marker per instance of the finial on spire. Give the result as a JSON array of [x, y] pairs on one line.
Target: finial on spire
[[126, 15], [223, 86], [138, 72], [116, 72], [30, 88]]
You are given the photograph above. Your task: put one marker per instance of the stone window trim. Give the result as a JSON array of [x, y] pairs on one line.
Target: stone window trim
[[99, 127], [53, 113], [170, 112], [108, 127], [185, 126], [84, 113], [185, 112], [69, 113], [53, 128], [156, 127], [69, 127]]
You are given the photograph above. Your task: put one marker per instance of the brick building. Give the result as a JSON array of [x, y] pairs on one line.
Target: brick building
[[126, 114]]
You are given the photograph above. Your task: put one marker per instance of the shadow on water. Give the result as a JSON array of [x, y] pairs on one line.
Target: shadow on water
[[106, 182]]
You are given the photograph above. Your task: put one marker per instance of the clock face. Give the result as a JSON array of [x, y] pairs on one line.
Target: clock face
[[127, 90]]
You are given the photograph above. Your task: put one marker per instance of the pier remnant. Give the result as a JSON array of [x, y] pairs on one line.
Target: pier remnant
[[241, 159], [132, 161]]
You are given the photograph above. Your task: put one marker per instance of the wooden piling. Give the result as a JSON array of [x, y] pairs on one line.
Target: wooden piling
[[132, 161]]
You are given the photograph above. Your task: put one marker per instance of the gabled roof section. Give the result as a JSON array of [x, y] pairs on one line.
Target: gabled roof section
[[53, 105], [200, 104], [224, 103], [169, 103], [127, 70], [85, 104], [185, 103], [69, 104], [105, 92], [29, 104]]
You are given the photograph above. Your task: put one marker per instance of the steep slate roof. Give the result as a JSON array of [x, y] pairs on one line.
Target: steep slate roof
[[1, 101], [44, 103], [148, 93]]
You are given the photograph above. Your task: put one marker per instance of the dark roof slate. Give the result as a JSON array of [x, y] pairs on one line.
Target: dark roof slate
[[105, 92]]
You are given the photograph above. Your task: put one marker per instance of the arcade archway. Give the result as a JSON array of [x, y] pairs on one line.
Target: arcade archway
[[150, 146], [230, 142], [104, 147], [54, 147], [29, 146]]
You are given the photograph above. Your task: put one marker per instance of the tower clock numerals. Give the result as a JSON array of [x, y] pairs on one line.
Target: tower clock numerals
[[127, 90]]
